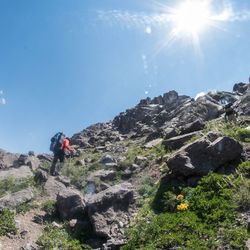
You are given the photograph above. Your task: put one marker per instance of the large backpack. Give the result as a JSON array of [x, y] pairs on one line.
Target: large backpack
[[56, 142]]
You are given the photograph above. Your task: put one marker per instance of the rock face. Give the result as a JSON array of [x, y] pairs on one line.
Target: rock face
[[14, 200], [70, 204], [204, 155], [110, 209]]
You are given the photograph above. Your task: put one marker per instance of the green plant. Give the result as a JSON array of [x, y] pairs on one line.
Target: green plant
[[54, 238], [77, 174], [210, 200], [244, 168], [12, 185], [27, 206], [49, 207], [170, 202], [170, 230], [7, 222], [95, 166], [243, 134], [209, 221]]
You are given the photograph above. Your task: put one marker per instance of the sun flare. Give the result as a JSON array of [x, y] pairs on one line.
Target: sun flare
[[191, 17]]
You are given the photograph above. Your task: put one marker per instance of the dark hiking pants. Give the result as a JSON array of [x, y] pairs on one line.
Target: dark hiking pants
[[59, 155]]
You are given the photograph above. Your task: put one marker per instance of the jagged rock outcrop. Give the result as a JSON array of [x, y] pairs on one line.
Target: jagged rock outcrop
[[204, 155], [240, 88]]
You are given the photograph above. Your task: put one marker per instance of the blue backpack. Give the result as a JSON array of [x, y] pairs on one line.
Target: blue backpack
[[57, 142]]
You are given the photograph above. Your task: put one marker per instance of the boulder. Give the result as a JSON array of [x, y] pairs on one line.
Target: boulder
[[204, 155], [178, 141], [153, 143], [12, 201], [29, 160], [109, 207], [41, 176], [17, 173], [192, 127], [33, 162], [107, 159], [7, 159], [70, 204], [141, 160], [80, 163], [103, 175], [52, 187]]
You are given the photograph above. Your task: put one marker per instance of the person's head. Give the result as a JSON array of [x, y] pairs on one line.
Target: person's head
[[67, 138]]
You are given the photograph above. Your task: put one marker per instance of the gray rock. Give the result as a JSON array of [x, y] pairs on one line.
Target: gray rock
[[70, 204], [103, 175], [33, 162], [240, 88], [7, 159], [17, 173], [109, 207], [80, 163], [52, 187], [192, 127], [107, 159], [12, 201], [153, 143], [141, 160], [202, 156], [63, 179], [178, 141], [41, 176]]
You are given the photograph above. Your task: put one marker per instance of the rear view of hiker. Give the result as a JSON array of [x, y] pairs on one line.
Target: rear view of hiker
[[60, 147], [230, 113]]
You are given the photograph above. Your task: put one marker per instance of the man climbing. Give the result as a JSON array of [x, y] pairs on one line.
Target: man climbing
[[60, 147], [230, 113]]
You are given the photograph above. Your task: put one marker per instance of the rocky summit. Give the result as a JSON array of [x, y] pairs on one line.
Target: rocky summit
[[169, 173]]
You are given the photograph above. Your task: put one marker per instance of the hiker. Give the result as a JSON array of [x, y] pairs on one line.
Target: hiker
[[60, 147], [230, 113]]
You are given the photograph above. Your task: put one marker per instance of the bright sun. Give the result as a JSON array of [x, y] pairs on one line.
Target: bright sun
[[191, 17]]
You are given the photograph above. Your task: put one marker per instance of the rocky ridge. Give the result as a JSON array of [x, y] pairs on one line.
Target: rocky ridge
[[113, 159]]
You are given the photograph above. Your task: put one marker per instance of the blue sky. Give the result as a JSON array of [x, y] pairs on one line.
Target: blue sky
[[66, 64]]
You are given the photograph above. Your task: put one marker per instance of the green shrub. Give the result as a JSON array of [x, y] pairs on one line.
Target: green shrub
[[54, 238], [243, 134], [170, 230], [170, 202], [49, 207], [77, 174], [95, 166], [7, 222], [27, 206], [244, 168], [208, 223], [242, 197], [210, 200]]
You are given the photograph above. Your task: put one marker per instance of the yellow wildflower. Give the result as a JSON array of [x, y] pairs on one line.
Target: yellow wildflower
[[182, 207]]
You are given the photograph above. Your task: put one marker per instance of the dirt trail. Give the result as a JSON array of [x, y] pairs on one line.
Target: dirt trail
[[28, 231]]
